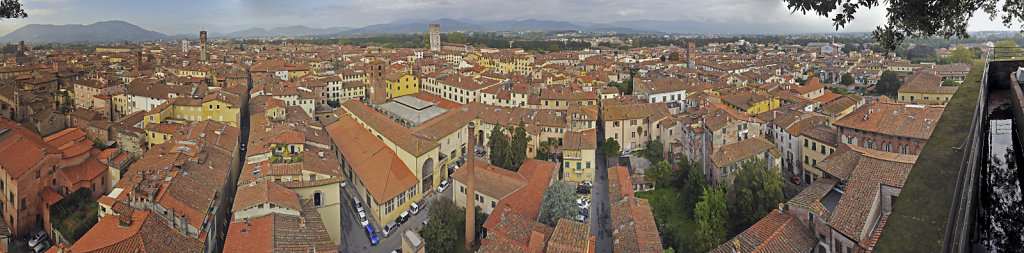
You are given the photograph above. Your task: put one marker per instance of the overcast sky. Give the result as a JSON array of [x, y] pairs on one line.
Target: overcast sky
[[223, 16]]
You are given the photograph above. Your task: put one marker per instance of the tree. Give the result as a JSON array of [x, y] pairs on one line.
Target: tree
[[888, 83], [694, 183], [655, 151], [758, 190], [846, 79], [914, 18], [517, 151], [611, 148], [961, 55], [558, 203], [499, 145], [441, 234], [921, 51], [1007, 49], [457, 37], [660, 174], [10, 9], [949, 82], [711, 217]]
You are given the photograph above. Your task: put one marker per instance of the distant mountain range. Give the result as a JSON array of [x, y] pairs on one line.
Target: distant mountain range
[[116, 31]]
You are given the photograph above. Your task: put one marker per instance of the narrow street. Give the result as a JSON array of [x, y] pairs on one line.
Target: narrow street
[[227, 198], [600, 216]]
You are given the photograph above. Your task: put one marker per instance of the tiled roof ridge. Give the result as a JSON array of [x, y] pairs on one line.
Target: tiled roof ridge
[[774, 234]]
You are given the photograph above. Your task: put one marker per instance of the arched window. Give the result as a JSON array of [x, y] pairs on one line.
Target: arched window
[[318, 199]]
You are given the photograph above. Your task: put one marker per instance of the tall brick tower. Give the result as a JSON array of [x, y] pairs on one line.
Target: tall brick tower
[[470, 191], [435, 37], [202, 46], [377, 88], [691, 55]]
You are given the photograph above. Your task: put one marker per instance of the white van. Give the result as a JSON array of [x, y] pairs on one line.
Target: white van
[[358, 204], [388, 228]]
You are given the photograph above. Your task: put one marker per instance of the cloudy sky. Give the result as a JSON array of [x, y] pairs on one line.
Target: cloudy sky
[[223, 16]]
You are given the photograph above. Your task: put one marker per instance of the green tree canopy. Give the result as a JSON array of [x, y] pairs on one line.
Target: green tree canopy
[[961, 55], [846, 79], [1007, 49], [655, 151], [694, 183], [888, 83], [660, 174], [559, 202], [914, 18], [611, 148], [499, 146], [949, 82], [10, 9], [457, 37], [711, 217], [441, 234], [758, 190], [517, 151]]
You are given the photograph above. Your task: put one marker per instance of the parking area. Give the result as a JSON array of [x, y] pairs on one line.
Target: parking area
[[583, 200], [356, 239]]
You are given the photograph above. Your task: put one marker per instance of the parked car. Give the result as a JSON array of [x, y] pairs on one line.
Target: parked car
[[425, 221], [370, 233], [37, 238], [582, 203], [581, 218], [399, 250], [582, 189], [441, 187], [362, 219], [41, 247], [415, 208], [795, 179], [386, 230], [585, 212], [358, 204], [587, 183], [402, 218]]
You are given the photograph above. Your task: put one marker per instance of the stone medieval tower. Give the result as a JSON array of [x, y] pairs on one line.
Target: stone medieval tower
[[435, 37], [202, 46], [377, 88]]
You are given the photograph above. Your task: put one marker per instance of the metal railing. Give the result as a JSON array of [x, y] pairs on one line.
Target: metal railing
[[956, 233]]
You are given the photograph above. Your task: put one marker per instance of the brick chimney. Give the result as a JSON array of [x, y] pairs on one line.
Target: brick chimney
[[470, 192]]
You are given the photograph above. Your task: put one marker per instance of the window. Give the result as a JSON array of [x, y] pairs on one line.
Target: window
[[805, 143], [493, 204]]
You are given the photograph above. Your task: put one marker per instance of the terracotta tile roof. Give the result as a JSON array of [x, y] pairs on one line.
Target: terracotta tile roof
[[569, 236], [655, 111], [809, 86], [838, 105], [810, 197], [776, 232], [738, 151], [20, 148], [903, 120], [527, 200], [376, 165], [580, 140], [869, 169], [500, 182], [926, 83], [823, 134], [146, 233], [265, 192], [64, 136], [88, 170], [632, 219], [514, 232], [280, 233], [401, 136]]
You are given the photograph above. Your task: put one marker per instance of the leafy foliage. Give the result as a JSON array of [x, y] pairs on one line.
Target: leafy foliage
[[949, 82], [11, 9], [611, 148], [457, 37], [499, 146], [559, 202], [517, 152], [1007, 49], [846, 79], [75, 214], [655, 151], [914, 18], [441, 234], [888, 83], [711, 217], [693, 182], [660, 174], [758, 190]]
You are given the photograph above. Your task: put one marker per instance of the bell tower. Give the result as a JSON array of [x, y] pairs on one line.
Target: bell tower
[[377, 88]]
